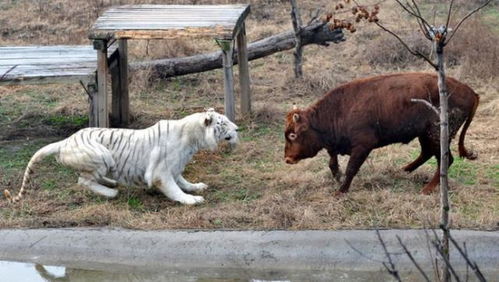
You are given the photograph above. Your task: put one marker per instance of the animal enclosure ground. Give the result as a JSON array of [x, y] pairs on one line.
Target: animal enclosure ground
[[250, 187]]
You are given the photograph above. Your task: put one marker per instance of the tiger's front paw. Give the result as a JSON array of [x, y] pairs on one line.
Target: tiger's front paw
[[199, 186], [191, 200]]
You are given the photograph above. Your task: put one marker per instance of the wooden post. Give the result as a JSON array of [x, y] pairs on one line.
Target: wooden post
[[244, 78], [227, 50], [119, 85], [100, 100], [92, 111]]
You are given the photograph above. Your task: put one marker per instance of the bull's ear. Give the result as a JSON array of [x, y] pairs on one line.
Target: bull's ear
[[296, 117]]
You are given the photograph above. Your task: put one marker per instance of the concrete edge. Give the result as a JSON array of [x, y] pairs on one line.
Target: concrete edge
[[283, 250]]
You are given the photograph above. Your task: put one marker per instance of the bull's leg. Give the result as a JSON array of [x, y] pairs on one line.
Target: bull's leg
[[357, 158], [430, 187], [334, 166], [426, 154]]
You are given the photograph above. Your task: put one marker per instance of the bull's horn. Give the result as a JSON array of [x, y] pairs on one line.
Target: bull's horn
[[295, 107]]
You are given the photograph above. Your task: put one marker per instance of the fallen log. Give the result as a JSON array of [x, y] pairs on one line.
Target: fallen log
[[315, 33]]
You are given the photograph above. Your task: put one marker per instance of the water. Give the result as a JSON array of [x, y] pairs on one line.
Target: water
[[29, 272]]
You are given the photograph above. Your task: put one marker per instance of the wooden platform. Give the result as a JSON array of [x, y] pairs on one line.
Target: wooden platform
[[224, 23], [47, 64], [169, 21]]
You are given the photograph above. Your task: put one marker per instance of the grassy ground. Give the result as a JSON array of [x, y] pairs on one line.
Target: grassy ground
[[251, 187]]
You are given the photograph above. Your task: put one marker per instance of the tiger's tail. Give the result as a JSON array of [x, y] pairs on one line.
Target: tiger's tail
[[48, 150]]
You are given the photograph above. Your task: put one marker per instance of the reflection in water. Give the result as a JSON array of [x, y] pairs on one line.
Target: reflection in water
[[15, 271]]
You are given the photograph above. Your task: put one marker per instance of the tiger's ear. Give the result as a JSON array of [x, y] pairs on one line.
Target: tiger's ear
[[208, 120]]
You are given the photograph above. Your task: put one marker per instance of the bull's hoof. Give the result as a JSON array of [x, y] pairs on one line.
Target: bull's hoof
[[339, 193], [337, 176], [427, 190]]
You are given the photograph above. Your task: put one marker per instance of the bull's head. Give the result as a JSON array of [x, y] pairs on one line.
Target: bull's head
[[302, 141]]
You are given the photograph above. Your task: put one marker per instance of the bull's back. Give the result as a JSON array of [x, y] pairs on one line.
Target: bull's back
[[384, 106]]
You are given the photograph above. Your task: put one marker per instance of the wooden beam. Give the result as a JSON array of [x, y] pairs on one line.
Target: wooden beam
[[119, 85], [93, 115], [315, 33], [244, 78], [100, 100], [227, 50]]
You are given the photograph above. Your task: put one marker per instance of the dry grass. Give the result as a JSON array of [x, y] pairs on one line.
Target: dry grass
[[251, 187]]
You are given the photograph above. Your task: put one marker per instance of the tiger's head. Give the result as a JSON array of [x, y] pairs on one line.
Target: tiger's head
[[220, 128]]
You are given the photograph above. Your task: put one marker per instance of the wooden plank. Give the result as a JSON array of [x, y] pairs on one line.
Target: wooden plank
[[158, 21], [230, 109], [51, 48], [70, 79], [48, 64], [119, 77], [100, 100], [164, 34], [244, 78], [145, 25], [42, 61], [193, 7]]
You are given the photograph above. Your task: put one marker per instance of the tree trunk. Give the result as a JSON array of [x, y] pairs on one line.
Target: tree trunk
[[444, 157], [298, 54], [315, 33]]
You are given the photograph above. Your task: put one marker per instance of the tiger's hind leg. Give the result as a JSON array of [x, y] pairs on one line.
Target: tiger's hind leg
[[88, 181], [107, 182]]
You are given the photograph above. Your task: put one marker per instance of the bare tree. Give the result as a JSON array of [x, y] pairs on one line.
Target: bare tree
[[439, 36], [297, 26]]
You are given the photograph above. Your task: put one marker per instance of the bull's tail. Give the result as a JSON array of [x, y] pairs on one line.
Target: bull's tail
[[463, 152], [48, 150]]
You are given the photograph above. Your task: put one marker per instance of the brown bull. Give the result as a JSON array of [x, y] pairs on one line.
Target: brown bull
[[366, 114]]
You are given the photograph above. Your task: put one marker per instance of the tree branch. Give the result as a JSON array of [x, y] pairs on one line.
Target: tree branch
[[392, 270], [449, 15], [415, 53], [362, 254], [428, 104], [473, 265], [465, 18], [408, 253], [446, 261], [415, 14]]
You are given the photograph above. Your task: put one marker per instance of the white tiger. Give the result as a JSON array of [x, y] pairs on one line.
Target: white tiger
[[155, 156]]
